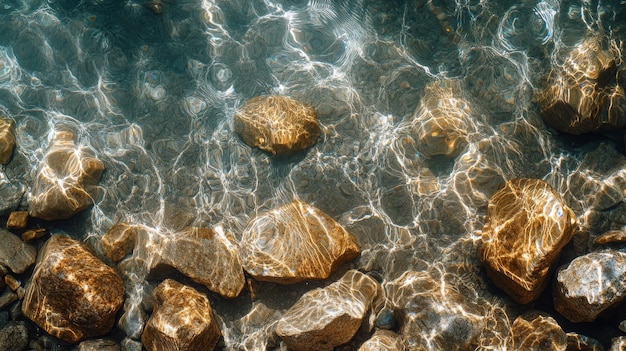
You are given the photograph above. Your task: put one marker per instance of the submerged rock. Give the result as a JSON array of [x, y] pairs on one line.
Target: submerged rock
[[17, 220], [618, 344], [207, 256], [277, 124], [328, 317], [383, 340], [14, 337], [119, 240], [14, 253], [7, 140], [66, 180], [577, 342], [293, 243], [611, 237], [590, 285], [537, 332], [584, 94], [182, 319], [528, 223], [72, 295], [98, 345]]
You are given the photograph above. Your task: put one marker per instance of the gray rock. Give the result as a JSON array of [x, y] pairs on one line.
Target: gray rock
[[98, 345], [14, 337], [591, 284], [11, 195], [131, 345], [7, 298], [14, 253]]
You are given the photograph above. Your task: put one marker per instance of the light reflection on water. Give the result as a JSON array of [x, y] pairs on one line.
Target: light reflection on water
[[154, 96]]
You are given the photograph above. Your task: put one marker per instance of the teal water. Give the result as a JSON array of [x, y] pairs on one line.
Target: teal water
[[152, 86]]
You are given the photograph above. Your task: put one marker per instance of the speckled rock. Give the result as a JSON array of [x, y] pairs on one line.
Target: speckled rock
[[537, 332], [66, 181], [383, 340], [182, 319], [14, 337], [208, 256], [119, 240], [72, 295], [590, 284], [583, 94], [327, 317], [7, 140], [528, 224], [277, 124], [98, 345], [293, 243], [14, 253], [11, 194]]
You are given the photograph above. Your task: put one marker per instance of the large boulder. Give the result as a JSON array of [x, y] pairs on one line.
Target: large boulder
[[293, 243], [528, 223], [7, 140], [584, 93], [590, 285], [536, 332], [182, 319], [327, 317], [277, 124], [66, 181], [72, 294], [208, 256], [14, 253]]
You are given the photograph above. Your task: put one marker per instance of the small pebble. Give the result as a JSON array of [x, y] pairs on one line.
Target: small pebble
[[11, 282], [17, 220], [622, 326], [33, 234]]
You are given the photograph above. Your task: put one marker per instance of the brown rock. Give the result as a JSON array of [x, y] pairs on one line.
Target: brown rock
[[66, 180], [611, 237], [182, 319], [72, 294], [209, 257], [33, 234], [383, 340], [119, 241], [277, 124], [293, 243], [528, 224], [537, 332], [14, 253], [324, 318], [98, 345], [7, 140], [577, 342], [618, 344], [7, 298], [17, 220], [583, 94], [11, 282]]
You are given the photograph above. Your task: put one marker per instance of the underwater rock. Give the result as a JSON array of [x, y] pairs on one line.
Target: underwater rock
[[590, 284], [327, 317], [383, 340], [611, 237], [584, 93], [618, 343], [534, 331], [443, 120], [577, 342], [33, 234], [277, 124], [293, 243], [14, 337], [119, 240], [207, 256], [182, 319], [11, 194], [98, 345], [7, 140], [72, 294], [14, 253], [66, 180], [528, 224], [17, 220]]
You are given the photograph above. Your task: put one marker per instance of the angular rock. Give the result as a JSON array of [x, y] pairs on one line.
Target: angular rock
[[33, 234], [98, 345], [7, 140], [618, 344], [590, 285], [119, 240], [324, 318], [11, 195], [528, 224], [577, 342], [66, 181], [14, 337], [14, 253], [277, 124], [207, 256], [293, 243], [72, 294], [383, 340], [611, 237], [182, 319], [7, 298], [537, 332], [17, 220], [584, 94]]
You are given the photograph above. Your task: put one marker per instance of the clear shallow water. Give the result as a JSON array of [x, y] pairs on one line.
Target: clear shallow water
[[153, 95]]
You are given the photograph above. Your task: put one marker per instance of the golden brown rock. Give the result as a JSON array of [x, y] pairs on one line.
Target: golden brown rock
[[119, 240], [324, 318], [72, 295], [277, 124], [293, 243], [182, 319], [611, 237], [383, 340], [11, 282], [583, 94], [33, 234], [537, 332], [207, 256], [66, 180], [17, 220], [7, 140], [577, 342], [528, 224]]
